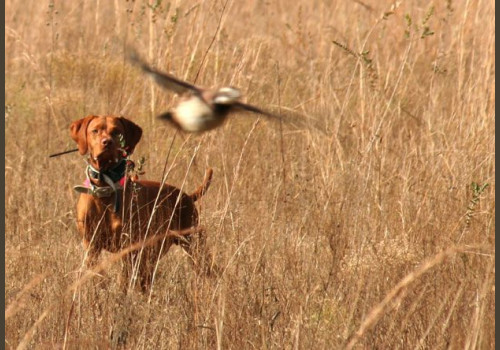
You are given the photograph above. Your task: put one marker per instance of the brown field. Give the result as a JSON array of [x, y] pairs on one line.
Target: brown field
[[367, 223]]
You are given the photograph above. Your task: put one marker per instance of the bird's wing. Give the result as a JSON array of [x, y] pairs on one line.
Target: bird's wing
[[163, 79], [253, 109], [291, 117]]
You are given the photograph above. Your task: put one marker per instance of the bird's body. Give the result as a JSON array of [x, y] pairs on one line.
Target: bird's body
[[193, 114], [198, 109]]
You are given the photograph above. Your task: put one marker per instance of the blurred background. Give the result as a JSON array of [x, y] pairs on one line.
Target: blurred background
[[365, 219]]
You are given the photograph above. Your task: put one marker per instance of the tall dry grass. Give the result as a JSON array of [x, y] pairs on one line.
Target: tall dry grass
[[369, 225]]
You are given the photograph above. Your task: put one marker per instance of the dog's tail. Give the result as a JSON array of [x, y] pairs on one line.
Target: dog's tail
[[200, 191]]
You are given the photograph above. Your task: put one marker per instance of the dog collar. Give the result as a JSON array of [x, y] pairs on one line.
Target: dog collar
[[114, 178], [116, 173]]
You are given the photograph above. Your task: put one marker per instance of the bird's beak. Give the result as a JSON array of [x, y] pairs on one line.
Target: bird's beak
[[165, 116]]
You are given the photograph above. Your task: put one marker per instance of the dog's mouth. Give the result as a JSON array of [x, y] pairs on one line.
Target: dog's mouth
[[105, 160]]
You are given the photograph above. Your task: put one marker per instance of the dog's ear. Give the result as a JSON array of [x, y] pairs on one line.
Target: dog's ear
[[78, 131], [133, 133]]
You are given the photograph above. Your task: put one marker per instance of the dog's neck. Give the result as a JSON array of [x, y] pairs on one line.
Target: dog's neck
[[105, 183], [115, 173]]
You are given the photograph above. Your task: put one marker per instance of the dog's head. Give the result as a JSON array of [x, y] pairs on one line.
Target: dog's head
[[105, 137]]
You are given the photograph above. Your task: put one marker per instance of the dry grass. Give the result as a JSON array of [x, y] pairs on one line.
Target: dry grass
[[365, 233]]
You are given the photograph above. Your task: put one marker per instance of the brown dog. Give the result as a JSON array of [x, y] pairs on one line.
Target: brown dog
[[115, 211]]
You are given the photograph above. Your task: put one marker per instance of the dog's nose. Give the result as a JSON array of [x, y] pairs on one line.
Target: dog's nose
[[107, 141]]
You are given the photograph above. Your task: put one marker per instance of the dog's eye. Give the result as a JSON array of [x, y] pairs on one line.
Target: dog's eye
[[94, 131]]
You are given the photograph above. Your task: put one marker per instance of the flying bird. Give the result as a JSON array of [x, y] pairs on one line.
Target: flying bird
[[198, 109]]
